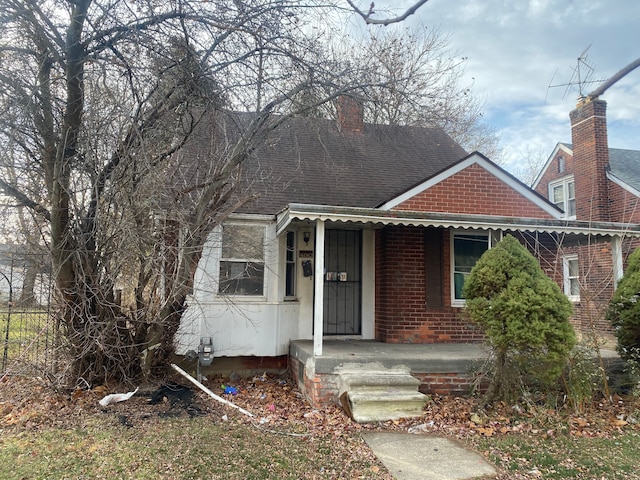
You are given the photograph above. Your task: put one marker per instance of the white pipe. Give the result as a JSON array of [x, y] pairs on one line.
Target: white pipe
[[209, 392]]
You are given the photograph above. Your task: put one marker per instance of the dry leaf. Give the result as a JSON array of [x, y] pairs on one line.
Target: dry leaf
[[617, 422]]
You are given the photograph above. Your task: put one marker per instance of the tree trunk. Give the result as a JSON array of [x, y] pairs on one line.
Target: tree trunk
[[27, 296]]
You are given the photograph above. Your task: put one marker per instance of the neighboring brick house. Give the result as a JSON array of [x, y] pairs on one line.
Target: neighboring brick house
[[591, 182], [363, 232]]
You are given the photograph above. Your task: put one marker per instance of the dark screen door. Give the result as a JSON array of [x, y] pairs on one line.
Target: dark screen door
[[342, 282]]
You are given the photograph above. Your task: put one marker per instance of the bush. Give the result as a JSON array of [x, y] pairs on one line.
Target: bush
[[624, 313], [582, 379], [525, 316]]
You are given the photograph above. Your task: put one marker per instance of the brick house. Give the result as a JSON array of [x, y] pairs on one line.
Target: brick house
[[593, 183], [364, 233]]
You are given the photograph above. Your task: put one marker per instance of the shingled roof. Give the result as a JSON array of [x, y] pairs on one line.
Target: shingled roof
[[309, 160], [623, 164]]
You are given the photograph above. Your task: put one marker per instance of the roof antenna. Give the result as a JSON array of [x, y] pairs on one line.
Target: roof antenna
[[582, 76]]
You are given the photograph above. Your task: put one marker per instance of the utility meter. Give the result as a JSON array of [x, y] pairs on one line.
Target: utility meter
[[205, 351]]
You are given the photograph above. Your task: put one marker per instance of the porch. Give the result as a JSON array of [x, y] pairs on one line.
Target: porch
[[443, 368]]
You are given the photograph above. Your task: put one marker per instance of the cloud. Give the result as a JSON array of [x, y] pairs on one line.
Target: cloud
[[522, 55]]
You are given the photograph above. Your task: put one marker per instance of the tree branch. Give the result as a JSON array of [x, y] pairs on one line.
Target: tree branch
[[386, 21], [23, 199]]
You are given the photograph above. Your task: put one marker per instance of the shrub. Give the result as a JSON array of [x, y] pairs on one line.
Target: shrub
[[525, 316], [624, 313]]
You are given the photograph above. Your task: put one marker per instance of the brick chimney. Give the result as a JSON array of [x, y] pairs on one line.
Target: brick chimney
[[350, 114], [591, 159]]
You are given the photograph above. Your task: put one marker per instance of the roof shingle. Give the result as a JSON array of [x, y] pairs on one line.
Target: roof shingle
[[308, 160]]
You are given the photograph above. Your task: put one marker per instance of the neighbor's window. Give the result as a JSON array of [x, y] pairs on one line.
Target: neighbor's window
[[562, 194], [561, 164], [571, 277], [467, 249], [242, 260], [290, 277]]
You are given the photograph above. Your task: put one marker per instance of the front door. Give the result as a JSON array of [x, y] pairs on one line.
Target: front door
[[342, 286]]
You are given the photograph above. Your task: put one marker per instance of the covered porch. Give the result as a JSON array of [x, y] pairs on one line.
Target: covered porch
[[419, 270]]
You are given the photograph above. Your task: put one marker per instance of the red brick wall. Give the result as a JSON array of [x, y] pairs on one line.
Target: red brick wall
[[473, 191], [595, 261], [552, 173], [597, 199], [401, 312], [445, 383], [625, 206]]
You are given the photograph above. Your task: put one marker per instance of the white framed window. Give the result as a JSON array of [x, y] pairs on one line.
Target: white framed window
[[571, 276], [290, 266], [562, 194], [466, 249], [242, 263]]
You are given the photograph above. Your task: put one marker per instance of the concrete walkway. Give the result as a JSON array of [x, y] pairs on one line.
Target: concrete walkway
[[421, 457]]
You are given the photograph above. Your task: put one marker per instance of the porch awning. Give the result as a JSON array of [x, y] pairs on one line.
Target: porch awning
[[376, 217]]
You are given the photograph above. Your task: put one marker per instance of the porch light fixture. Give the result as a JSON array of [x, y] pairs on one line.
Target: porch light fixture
[[306, 236]]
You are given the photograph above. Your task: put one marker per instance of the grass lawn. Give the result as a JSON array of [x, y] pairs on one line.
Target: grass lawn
[[179, 448], [198, 448], [22, 335], [55, 435], [565, 457]]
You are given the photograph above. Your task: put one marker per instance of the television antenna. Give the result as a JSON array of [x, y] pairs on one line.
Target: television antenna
[[582, 76]]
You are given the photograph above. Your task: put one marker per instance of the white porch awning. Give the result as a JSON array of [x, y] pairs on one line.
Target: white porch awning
[[376, 217]]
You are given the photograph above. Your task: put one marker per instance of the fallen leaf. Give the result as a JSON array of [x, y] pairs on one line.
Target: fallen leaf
[[617, 422]]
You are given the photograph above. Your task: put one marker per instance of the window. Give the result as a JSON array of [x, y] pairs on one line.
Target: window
[[467, 249], [290, 260], [561, 164], [242, 260], [571, 277], [562, 194]]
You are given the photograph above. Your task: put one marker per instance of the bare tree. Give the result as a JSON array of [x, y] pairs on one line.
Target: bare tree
[[531, 161], [417, 79], [97, 99]]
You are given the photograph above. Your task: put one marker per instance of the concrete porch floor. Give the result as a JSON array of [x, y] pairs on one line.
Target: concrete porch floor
[[432, 358]]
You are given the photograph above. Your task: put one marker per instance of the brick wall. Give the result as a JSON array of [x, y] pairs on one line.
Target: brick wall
[[402, 315], [553, 171], [445, 383], [597, 199], [473, 191], [624, 205]]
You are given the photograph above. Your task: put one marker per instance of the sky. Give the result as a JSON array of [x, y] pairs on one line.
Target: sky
[[520, 53]]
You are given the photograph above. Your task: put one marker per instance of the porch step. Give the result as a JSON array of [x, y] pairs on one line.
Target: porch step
[[372, 393]]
